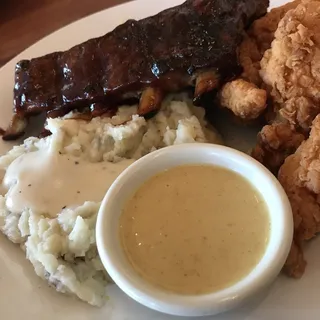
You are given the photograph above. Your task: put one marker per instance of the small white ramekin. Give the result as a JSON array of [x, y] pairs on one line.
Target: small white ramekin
[[121, 271]]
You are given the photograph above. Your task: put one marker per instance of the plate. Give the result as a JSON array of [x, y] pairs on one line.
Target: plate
[[24, 296]]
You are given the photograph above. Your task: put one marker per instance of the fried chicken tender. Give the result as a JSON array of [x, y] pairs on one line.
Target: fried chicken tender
[[295, 264], [258, 39], [246, 100], [263, 29], [291, 68], [291, 71], [275, 143], [249, 57], [243, 98], [300, 178]]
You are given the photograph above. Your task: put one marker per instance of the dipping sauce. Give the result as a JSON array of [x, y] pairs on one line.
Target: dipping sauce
[[195, 229], [47, 181]]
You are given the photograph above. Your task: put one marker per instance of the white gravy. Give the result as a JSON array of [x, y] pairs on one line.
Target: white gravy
[[48, 182]]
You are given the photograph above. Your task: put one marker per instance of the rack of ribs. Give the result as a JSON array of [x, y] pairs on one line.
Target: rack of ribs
[[191, 45]]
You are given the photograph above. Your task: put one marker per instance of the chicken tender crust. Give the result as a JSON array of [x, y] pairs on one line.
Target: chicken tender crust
[[275, 143], [258, 39], [300, 178], [249, 102], [243, 98], [291, 68]]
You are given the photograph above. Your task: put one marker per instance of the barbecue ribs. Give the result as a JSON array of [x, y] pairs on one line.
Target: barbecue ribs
[[191, 45]]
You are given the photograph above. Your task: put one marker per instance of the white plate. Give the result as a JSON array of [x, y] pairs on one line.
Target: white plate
[[23, 296]]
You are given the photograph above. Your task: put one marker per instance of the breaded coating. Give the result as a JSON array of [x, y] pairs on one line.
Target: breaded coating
[[243, 98], [258, 39], [250, 56], [300, 178], [263, 29], [275, 143], [295, 264], [290, 70]]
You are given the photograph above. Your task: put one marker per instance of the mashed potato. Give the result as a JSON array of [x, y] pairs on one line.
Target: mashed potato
[[62, 247]]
